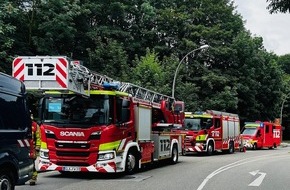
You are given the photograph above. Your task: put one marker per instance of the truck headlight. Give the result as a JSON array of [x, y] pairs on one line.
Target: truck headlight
[[106, 156], [43, 154]]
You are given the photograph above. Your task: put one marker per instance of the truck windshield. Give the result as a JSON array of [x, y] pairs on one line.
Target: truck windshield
[[75, 109], [249, 131], [192, 124], [197, 123]]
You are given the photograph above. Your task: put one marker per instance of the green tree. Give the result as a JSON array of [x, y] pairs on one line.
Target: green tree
[[284, 62], [148, 72], [109, 58], [215, 24], [236, 74], [276, 6], [260, 79], [56, 27], [7, 31]]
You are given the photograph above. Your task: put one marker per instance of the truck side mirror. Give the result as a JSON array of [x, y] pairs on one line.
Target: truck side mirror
[[125, 115]]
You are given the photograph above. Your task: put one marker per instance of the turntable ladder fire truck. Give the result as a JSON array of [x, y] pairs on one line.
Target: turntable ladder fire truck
[[92, 123]]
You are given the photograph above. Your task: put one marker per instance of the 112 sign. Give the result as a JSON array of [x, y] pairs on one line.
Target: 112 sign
[[40, 69]]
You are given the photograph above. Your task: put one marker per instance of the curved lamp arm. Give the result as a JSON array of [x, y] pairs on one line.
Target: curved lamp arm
[[177, 69]]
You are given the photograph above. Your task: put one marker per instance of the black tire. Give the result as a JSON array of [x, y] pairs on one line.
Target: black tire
[[210, 149], [7, 180], [231, 148], [174, 155], [131, 163], [255, 146], [183, 152]]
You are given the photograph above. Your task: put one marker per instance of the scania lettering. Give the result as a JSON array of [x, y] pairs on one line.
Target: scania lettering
[[72, 134], [92, 123]]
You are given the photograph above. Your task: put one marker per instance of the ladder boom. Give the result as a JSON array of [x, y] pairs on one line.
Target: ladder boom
[[62, 74], [143, 93]]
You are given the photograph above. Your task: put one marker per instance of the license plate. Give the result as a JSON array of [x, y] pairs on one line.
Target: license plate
[[71, 169]]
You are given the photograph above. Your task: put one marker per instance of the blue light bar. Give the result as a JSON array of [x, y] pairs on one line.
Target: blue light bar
[[199, 113], [111, 86]]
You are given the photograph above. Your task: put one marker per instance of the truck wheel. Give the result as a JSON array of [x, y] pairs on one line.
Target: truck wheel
[[131, 163], [255, 146], [210, 149], [6, 180], [174, 155], [231, 148], [183, 152]]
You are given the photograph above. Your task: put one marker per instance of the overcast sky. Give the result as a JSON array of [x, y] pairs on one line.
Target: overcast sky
[[273, 28]]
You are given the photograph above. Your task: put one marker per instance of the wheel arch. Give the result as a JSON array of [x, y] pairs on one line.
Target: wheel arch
[[132, 146], [174, 142], [210, 140], [9, 166]]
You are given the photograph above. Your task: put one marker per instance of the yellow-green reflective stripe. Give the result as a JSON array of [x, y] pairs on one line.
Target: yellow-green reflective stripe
[[201, 137], [253, 141], [108, 92], [43, 145], [202, 116], [57, 92], [102, 92], [110, 145]]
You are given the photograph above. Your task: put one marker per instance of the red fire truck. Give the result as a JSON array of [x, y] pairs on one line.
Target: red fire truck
[[257, 135], [92, 123], [210, 131]]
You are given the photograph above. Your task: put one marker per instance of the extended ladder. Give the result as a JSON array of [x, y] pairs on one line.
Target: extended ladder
[[139, 93], [62, 74], [219, 113]]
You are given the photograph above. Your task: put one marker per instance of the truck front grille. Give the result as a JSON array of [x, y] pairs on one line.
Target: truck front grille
[[74, 154], [72, 164], [72, 145]]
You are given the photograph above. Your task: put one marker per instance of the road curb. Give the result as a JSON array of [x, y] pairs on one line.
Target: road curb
[[284, 144]]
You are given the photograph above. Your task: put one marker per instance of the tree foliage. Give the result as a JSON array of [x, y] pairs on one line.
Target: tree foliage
[[148, 71], [143, 41], [276, 6], [6, 35]]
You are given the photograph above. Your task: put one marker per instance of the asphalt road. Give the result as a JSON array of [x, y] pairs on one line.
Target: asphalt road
[[261, 169]]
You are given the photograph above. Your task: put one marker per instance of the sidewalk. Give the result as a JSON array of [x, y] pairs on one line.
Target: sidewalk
[[284, 144]]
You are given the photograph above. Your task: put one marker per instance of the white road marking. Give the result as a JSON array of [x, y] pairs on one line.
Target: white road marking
[[257, 182], [232, 165]]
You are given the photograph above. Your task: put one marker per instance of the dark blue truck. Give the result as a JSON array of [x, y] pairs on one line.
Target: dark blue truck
[[16, 164]]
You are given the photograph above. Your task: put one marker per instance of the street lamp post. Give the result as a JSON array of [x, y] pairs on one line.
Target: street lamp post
[[282, 106], [177, 69]]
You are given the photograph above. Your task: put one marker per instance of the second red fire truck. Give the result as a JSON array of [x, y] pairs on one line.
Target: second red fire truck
[[210, 131], [92, 123]]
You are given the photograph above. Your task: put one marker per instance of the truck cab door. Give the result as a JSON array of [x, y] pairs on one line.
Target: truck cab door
[[268, 138], [260, 137], [124, 120]]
